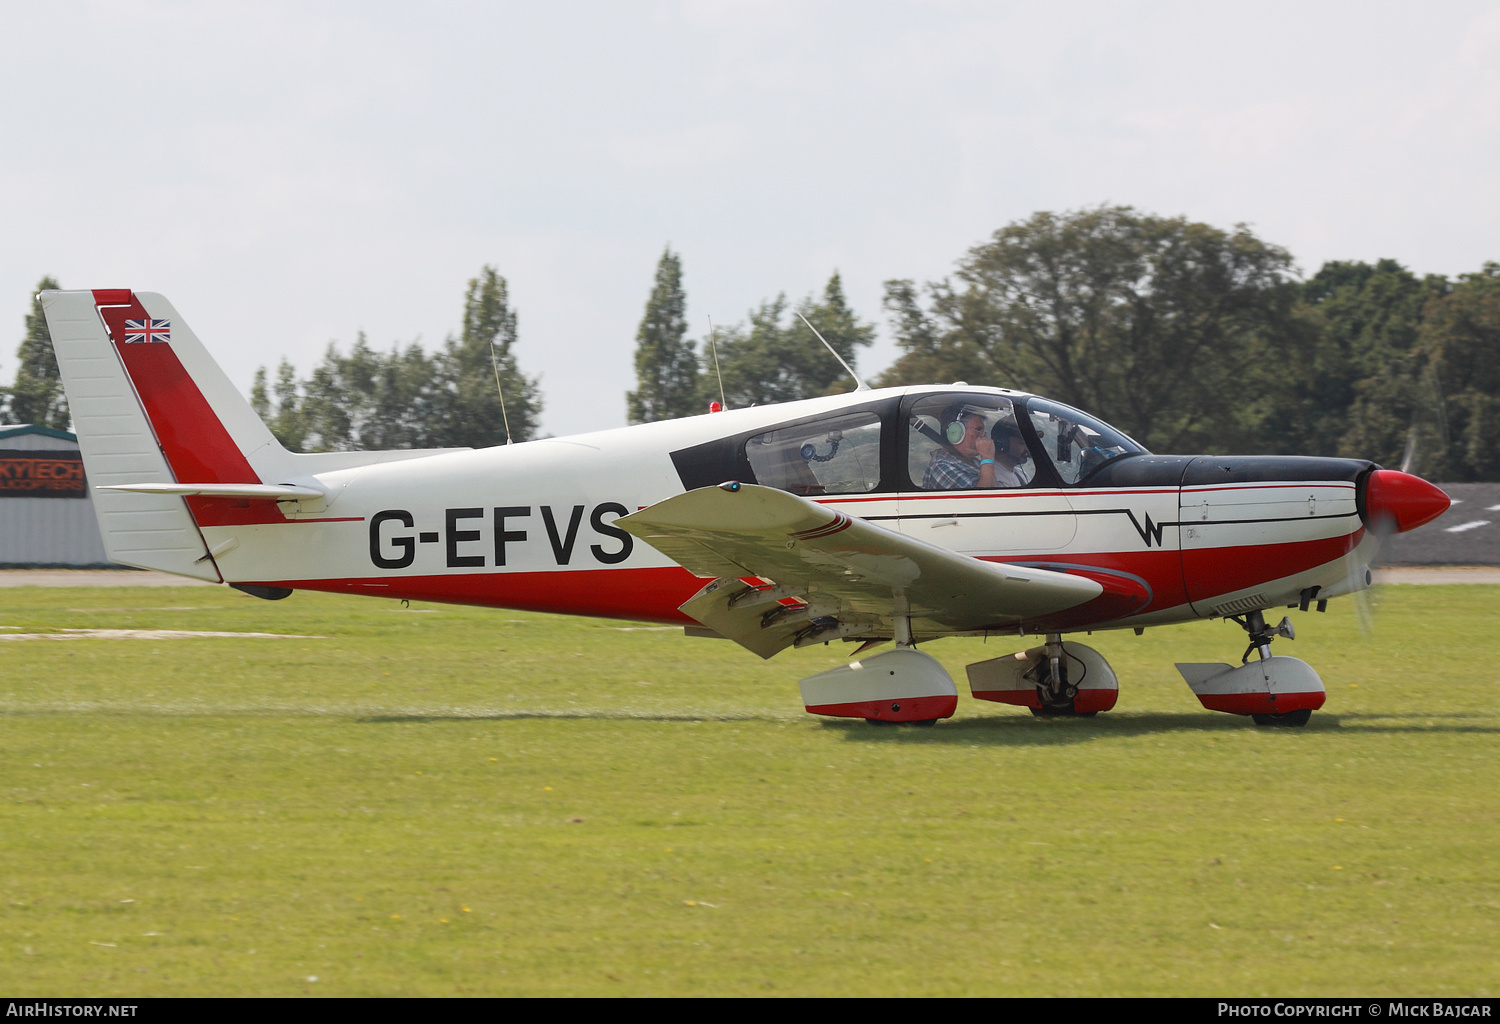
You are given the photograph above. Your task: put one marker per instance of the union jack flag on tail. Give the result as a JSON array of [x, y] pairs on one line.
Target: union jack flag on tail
[[143, 331]]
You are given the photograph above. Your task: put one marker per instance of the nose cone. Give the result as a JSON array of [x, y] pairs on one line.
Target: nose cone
[[1401, 501]]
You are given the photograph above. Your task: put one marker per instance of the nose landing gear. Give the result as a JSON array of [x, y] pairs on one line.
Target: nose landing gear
[[1261, 635], [1272, 691]]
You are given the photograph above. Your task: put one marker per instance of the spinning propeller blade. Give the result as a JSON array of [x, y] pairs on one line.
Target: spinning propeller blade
[[1394, 502]]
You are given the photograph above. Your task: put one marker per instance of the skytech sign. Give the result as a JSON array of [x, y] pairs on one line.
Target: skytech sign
[[41, 474]]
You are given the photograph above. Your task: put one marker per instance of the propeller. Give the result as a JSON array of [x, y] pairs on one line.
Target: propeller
[[1394, 502], [1366, 595], [1426, 444]]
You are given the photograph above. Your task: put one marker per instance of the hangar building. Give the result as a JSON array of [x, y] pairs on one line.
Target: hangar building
[[46, 514]]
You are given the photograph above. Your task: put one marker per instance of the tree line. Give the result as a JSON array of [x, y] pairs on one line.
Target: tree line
[[407, 398], [1186, 336], [1189, 337]]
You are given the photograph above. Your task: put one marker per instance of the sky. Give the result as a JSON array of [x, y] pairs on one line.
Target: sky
[[291, 174]]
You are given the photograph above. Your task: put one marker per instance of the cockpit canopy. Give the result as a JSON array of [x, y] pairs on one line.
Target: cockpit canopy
[[950, 440]]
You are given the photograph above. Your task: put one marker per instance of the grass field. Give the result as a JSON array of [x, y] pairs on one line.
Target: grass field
[[442, 801]]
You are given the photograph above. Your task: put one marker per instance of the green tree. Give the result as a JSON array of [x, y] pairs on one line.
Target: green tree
[[37, 396], [929, 354], [1460, 339], [467, 410], [1360, 384], [775, 358], [1162, 326], [404, 398], [666, 366], [366, 400], [284, 415]]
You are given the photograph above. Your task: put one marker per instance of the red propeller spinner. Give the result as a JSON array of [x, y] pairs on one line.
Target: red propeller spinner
[[1398, 502]]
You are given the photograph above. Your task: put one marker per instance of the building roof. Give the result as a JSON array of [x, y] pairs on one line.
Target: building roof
[[18, 429]]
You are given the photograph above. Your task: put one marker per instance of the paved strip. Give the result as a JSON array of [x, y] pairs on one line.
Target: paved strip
[[1439, 574]]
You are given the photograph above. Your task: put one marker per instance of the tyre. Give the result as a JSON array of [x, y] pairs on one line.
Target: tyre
[[1290, 718], [1052, 711]]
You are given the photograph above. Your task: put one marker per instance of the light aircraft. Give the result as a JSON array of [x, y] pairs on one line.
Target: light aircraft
[[900, 515]]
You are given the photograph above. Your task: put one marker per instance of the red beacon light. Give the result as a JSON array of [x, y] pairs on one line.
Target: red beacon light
[[714, 406]]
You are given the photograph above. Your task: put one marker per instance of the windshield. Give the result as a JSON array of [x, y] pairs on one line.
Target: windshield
[[1076, 442]]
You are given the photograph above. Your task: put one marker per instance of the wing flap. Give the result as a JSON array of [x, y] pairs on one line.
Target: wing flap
[[693, 556], [832, 574]]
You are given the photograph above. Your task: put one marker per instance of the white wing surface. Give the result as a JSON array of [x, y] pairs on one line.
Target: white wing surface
[[819, 574]]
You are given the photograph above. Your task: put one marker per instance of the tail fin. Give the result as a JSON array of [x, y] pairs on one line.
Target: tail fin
[[151, 406], [206, 429]]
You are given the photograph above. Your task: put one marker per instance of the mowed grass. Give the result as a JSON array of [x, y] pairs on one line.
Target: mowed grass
[[442, 801]]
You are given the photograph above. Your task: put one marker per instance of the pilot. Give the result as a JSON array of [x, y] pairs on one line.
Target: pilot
[[1011, 456], [969, 459]]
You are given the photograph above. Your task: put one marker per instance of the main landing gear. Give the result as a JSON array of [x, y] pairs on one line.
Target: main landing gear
[[1272, 690], [900, 686], [1058, 679]]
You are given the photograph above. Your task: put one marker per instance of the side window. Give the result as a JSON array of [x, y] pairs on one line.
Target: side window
[[1076, 443], [835, 455], [966, 442]]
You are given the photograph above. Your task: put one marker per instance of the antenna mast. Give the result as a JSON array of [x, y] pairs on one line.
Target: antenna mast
[[495, 362], [862, 386], [723, 402]]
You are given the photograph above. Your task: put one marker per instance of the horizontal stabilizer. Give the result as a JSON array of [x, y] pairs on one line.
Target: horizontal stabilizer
[[260, 492]]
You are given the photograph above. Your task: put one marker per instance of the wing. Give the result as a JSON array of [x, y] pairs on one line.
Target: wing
[[828, 575]]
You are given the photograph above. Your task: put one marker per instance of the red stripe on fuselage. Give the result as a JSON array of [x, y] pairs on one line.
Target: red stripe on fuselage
[[651, 595], [1209, 572], [655, 594]]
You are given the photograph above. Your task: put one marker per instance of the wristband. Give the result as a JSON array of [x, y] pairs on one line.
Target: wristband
[[986, 462]]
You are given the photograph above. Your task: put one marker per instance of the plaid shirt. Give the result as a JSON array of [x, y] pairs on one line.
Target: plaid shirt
[[947, 472]]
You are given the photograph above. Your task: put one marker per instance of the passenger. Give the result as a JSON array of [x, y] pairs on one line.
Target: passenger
[[1011, 456], [971, 461]]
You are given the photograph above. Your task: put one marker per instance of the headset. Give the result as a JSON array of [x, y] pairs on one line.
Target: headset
[[953, 420]]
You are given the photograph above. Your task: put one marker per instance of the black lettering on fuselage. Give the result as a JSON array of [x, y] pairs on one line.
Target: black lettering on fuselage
[[391, 550], [457, 537], [502, 535], [600, 526], [406, 545], [562, 549]]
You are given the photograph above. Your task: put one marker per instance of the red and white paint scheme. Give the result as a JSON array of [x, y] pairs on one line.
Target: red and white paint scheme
[[900, 515]]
